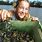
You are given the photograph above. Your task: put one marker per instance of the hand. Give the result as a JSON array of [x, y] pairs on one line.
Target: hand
[[4, 15], [35, 19], [0, 14]]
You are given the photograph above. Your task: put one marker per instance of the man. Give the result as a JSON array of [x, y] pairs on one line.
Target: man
[[22, 14]]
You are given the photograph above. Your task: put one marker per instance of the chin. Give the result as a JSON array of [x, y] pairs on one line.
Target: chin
[[21, 17]]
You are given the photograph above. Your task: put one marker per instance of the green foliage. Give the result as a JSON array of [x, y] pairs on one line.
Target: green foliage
[[18, 25], [16, 30]]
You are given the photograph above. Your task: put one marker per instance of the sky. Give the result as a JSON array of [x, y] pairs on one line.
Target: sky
[[36, 0], [29, 0], [10, 0]]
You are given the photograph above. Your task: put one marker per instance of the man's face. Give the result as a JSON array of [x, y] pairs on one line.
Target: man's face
[[23, 9]]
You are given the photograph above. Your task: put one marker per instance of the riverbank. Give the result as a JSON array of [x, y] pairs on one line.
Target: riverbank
[[31, 4], [37, 6]]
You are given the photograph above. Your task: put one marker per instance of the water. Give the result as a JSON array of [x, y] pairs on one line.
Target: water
[[7, 7], [36, 12], [33, 11]]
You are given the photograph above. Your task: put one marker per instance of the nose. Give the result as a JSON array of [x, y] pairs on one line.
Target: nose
[[23, 11]]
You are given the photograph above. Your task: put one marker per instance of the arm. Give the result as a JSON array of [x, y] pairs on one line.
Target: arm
[[5, 14]]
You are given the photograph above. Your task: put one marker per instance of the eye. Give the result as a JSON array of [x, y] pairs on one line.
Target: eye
[[26, 8], [20, 7]]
